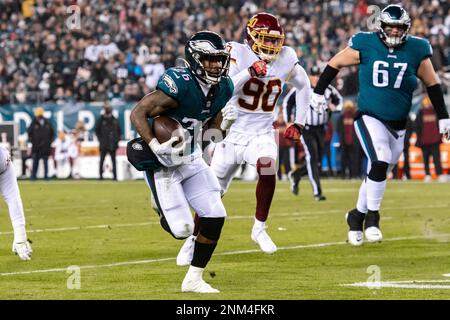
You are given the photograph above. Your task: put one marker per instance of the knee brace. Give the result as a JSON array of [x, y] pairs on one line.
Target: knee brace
[[378, 171], [211, 227]]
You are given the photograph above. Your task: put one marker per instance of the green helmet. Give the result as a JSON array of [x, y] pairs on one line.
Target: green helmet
[[394, 15], [207, 45]]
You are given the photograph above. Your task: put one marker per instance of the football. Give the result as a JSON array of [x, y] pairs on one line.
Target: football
[[165, 128]]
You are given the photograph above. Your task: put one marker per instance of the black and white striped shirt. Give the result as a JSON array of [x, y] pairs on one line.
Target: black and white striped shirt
[[313, 118]]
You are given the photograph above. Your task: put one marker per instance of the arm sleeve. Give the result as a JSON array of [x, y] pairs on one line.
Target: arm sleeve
[[300, 81], [288, 102], [240, 78], [437, 100]]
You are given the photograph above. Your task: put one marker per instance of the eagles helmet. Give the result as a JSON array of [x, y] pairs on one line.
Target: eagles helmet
[[207, 45], [394, 16]]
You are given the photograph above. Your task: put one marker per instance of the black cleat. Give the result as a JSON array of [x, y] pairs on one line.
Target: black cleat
[[320, 197], [294, 184]]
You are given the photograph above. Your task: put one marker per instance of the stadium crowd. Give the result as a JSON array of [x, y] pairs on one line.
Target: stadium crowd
[[101, 50], [66, 51]]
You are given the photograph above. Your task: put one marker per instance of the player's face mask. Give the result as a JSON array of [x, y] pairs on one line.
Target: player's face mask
[[208, 63], [213, 67], [267, 45], [394, 35], [394, 24]]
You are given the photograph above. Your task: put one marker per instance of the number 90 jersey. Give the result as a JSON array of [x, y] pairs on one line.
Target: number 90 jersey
[[255, 98], [387, 77]]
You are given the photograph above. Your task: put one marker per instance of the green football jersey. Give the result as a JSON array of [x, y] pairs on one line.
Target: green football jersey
[[387, 76], [194, 109]]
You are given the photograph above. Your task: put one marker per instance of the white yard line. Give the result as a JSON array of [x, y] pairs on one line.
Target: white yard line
[[400, 285], [126, 263], [300, 215]]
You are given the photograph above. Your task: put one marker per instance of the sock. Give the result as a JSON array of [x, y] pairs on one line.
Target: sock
[[202, 254], [361, 204], [265, 187], [372, 219], [259, 224], [194, 273], [297, 175], [356, 220], [375, 192]]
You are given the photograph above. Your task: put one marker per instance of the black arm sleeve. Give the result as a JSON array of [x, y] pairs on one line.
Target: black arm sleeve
[[437, 99], [290, 108], [325, 79]]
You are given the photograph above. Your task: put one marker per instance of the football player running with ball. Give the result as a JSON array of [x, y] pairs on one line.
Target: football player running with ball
[[390, 61], [192, 95], [258, 68]]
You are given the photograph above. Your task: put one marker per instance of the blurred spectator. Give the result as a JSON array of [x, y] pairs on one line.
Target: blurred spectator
[[406, 172], [41, 135], [108, 133], [349, 141], [327, 146], [153, 71], [25, 154], [62, 145], [34, 39], [429, 138]]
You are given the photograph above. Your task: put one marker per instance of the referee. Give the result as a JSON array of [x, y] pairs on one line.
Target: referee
[[313, 135]]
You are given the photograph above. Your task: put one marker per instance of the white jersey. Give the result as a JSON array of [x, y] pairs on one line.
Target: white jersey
[[255, 99]]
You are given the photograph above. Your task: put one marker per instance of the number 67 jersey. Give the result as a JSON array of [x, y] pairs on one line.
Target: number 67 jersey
[[387, 76], [255, 98]]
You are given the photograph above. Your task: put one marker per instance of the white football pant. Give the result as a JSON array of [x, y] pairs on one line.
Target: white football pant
[[11, 194], [176, 189], [379, 144], [238, 148]]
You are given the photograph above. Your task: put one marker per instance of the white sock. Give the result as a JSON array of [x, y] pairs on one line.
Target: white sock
[[375, 192], [361, 205], [259, 224], [195, 273], [20, 234]]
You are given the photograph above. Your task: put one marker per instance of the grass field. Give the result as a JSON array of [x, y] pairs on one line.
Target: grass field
[[110, 232]]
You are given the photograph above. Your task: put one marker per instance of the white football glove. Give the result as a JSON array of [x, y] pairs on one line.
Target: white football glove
[[318, 103], [444, 128], [229, 116], [168, 155], [23, 250]]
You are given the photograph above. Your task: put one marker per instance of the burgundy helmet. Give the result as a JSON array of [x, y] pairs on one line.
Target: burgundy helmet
[[265, 36]]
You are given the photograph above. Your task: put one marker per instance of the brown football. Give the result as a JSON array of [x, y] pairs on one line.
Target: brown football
[[165, 128]]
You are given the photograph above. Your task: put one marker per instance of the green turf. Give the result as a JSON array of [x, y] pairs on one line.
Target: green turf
[[113, 223]]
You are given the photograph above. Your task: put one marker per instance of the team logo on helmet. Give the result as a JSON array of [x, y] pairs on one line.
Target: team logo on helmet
[[394, 16], [265, 36], [207, 56]]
